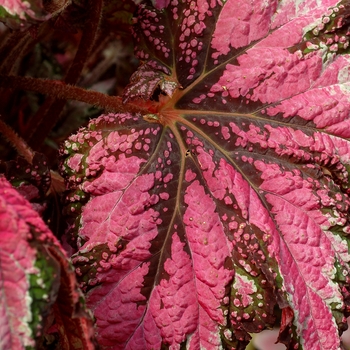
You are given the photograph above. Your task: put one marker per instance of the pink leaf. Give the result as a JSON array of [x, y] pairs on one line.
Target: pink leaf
[[147, 79], [17, 13], [230, 199], [36, 280]]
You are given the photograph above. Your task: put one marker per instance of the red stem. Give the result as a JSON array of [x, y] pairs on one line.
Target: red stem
[[12, 49], [17, 142], [56, 88]]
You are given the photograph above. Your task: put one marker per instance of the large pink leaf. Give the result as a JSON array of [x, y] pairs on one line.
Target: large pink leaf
[[194, 222]]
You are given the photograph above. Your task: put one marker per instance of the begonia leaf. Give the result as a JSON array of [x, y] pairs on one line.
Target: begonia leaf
[[194, 223], [38, 289], [17, 14]]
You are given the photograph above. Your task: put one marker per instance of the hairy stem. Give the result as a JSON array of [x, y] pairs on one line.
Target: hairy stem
[[69, 92], [17, 142], [86, 42], [12, 49]]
